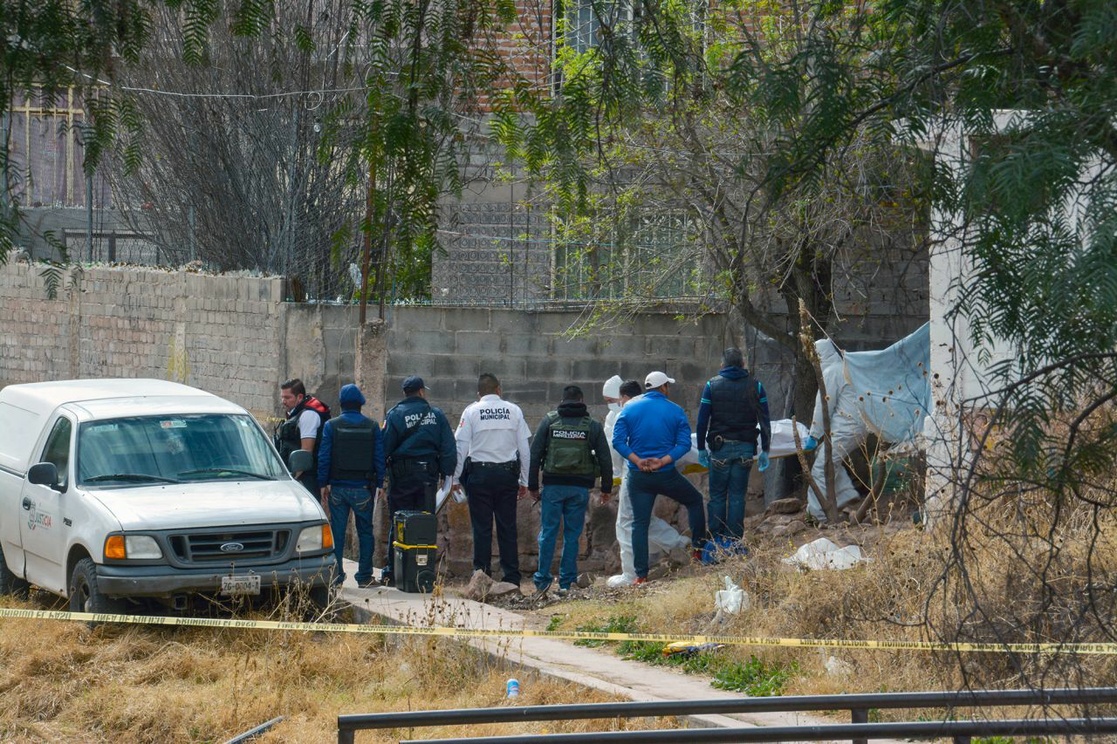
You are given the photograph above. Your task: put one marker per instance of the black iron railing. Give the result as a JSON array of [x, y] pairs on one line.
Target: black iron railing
[[860, 730]]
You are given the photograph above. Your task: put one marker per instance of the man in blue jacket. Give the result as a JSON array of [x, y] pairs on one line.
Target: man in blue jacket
[[652, 433], [350, 472], [420, 450]]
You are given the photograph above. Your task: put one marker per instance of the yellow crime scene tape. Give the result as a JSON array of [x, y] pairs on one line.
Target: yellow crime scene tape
[[565, 635]]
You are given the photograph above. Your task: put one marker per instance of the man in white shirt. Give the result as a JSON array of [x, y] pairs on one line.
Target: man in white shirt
[[493, 457]]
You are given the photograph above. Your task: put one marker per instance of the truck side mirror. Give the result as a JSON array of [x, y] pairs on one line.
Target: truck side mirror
[[300, 461], [43, 474]]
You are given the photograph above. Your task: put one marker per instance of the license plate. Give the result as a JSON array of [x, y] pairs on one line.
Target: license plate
[[240, 585]]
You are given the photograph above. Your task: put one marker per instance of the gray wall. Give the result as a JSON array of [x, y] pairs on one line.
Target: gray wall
[[234, 335]]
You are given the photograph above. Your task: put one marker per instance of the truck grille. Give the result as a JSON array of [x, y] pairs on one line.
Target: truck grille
[[206, 547]]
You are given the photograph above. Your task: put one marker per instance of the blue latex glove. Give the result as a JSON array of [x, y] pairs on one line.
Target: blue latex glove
[[810, 445], [764, 460], [704, 458]]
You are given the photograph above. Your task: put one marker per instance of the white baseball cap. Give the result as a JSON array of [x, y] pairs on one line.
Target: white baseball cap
[[657, 379], [612, 387]]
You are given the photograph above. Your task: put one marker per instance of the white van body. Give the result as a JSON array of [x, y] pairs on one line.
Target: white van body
[[117, 490]]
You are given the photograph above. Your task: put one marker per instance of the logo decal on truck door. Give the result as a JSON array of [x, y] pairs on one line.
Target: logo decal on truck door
[[37, 519]]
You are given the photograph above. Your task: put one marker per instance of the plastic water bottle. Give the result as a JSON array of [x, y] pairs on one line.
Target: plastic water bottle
[[512, 688]]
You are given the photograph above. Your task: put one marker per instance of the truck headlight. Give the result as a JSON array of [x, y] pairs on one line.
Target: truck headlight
[[318, 537], [134, 547]]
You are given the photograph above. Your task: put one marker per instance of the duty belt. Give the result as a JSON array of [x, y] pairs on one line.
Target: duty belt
[[411, 465], [511, 466]]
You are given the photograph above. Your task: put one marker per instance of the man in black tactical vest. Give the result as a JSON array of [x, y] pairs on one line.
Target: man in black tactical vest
[[732, 412], [306, 415], [571, 450], [351, 471]]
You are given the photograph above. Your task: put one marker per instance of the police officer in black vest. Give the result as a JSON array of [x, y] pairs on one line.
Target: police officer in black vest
[[306, 415], [732, 413], [350, 472], [420, 450]]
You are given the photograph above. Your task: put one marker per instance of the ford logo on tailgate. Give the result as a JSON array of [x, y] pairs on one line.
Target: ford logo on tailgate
[[232, 547]]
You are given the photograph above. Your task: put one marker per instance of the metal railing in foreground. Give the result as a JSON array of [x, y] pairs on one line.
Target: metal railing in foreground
[[858, 731]]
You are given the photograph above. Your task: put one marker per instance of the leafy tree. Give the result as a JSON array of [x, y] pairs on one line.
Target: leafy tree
[[676, 108], [392, 86], [1016, 101], [49, 45]]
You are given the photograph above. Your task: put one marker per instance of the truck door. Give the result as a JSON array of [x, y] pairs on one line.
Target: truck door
[[40, 517]]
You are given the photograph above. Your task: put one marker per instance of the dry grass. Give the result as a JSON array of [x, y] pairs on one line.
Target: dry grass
[[65, 682]]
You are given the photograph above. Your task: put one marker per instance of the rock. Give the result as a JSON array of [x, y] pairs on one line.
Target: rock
[[791, 528], [482, 587], [785, 506]]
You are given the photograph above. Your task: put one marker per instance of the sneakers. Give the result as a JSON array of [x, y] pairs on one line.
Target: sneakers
[[367, 583], [562, 591], [640, 581], [387, 580], [696, 555]]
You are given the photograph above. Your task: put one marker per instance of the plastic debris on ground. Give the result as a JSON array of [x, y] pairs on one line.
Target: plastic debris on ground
[[731, 599], [686, 648], [824, 554]]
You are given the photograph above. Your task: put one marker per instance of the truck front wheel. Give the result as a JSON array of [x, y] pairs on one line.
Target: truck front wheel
[[9, 582], [85, 595]]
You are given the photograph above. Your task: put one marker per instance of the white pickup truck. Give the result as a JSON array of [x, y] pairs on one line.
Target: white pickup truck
[[113, 492]]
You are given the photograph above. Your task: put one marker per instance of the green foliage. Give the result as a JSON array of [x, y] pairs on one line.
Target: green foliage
[[754, 677]]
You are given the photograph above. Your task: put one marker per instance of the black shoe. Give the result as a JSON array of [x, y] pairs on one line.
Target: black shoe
[[387, 580], [367, 583]]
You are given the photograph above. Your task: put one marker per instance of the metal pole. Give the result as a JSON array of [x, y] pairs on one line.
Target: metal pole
[[253, 733]]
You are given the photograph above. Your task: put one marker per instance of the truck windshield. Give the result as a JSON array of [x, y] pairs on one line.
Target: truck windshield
[[146, 450]]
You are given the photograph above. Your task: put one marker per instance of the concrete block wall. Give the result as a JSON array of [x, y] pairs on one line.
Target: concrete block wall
[[231, 335], [534, 355]]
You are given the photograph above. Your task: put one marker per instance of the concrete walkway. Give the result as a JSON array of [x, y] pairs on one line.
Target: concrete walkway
[[599, 669]]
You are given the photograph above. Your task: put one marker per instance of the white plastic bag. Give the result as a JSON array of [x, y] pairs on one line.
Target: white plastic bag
[[731, 599], [822, 554]]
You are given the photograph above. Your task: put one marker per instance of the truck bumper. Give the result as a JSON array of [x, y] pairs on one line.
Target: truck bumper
[[166, 581]]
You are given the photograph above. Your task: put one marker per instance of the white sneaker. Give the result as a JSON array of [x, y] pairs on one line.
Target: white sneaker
[[616, 582]]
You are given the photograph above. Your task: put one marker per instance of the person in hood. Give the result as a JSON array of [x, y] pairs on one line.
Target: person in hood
[[350, 473], [571, 451], [732, 413]]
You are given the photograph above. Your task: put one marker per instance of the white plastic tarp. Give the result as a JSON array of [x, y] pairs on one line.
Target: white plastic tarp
[[893, 385]]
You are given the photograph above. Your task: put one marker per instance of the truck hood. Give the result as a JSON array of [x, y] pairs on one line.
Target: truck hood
[[214, 504]]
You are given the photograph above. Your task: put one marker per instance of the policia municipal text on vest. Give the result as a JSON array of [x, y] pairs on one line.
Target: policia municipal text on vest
[[568, 447]]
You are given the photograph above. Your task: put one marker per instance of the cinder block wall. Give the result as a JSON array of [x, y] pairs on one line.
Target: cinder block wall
[[231, 335]]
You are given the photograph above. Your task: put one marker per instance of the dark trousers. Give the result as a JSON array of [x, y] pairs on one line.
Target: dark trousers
[[412, 492], [642, 490], [492, 496]]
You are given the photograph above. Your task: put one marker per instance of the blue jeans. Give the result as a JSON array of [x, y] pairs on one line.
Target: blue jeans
[[642, 489], [565, 504], [344, 499], [729, 481]]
